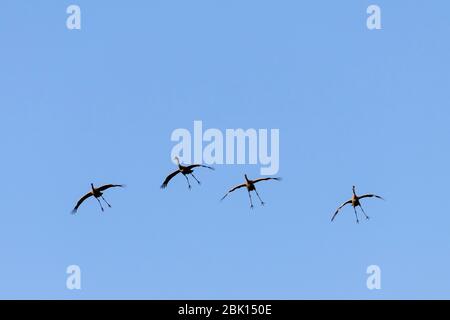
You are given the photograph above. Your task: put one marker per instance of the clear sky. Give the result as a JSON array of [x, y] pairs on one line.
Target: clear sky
[[353, 106]]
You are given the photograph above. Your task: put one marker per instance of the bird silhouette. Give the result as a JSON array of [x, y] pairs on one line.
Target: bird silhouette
[[97, 193], [250, 185], [355, 202], [185, 171]]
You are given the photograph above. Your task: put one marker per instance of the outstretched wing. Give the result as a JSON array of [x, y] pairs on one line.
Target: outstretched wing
[[87, 195], [233, 189], [107, 186], [198, 165], [264, 179], [342, 205], [169, 177], [370, 196]]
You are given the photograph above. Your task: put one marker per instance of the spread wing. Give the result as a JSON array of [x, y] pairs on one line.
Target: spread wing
[[233, 189], [370, 196], [87, 195], [168, 178], [107, 186], [198, 165], [264, 179], [342, 205]]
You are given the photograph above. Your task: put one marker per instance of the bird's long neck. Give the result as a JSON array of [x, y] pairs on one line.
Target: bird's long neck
[[92, 187], [178, 161], [246, 178], [354, 192]]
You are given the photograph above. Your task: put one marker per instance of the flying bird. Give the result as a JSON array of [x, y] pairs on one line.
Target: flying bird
[[250, 185], [354, 201], [185, 171], [97, 193]]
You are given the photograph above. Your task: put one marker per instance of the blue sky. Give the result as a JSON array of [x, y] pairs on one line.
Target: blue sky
[[353, 106]]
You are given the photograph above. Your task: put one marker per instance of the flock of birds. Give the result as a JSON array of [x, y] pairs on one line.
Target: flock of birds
[[249, 184]]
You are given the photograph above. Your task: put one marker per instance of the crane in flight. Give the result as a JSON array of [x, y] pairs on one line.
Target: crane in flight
[[355, 202], [97, 193], [250, 185], [185, 171]]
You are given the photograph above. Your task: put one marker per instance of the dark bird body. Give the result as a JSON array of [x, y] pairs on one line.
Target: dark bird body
[[97, 193], [250, 185], [355, 202], [185, 171]]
